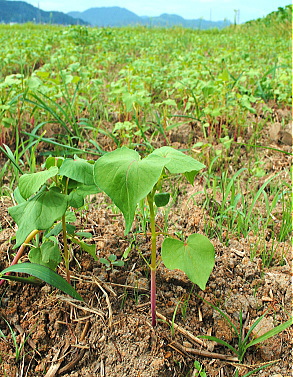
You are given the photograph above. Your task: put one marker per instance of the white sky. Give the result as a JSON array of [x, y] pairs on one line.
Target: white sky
[[189, 9]]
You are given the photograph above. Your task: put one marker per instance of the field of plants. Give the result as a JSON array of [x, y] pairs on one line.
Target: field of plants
[[145, 200]]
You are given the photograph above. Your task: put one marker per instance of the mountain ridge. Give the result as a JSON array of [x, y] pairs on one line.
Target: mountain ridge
[[117, 16], [107, 16], [22, 12]]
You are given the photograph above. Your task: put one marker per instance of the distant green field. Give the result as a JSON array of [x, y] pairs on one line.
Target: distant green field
[[214, 77]]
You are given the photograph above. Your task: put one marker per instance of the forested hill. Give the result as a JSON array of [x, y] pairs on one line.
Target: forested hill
[[21, 12], [116, 16], [108, 16]]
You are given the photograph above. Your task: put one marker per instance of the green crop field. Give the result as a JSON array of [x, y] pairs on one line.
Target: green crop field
[[71, 95], [87, 79]]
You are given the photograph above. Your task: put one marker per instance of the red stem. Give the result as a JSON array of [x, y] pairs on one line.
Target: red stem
[[153, 265], [153, 297], [20, 251]]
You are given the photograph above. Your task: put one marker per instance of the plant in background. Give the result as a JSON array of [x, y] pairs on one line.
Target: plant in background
[[198, 370], [18, 346], [44, 202], [111, 261], [243, 340], [66, 113], [128, 179]]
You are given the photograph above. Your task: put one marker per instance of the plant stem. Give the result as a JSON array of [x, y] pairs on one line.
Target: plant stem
[[153, 265], [66, 253], [21, 250], [153, 297]]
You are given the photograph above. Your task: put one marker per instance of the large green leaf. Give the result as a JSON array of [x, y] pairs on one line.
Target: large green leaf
[[39, 212], [45, 274], [78, 169], [127, 179], [196, 257], [29, 184], [48, 254], [178, 162]]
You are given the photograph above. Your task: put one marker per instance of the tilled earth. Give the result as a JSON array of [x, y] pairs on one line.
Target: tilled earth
[[110, 333]]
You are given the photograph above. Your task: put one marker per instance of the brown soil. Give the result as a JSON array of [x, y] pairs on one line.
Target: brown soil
[[110, 333]]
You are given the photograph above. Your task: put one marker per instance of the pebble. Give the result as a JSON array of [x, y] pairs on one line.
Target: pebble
[[286, 135], [265, 325], [271, 348]]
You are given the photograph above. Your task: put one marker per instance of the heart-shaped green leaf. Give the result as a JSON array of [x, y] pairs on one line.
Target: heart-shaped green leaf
[[39, 212], [54, 161], [127, 179], [45, 274], [178, 162], [196, 257], [78, 169], [162, 199], [29, 184]]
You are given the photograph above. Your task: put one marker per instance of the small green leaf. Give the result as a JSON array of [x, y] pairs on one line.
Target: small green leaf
[[39, 212], [105, 262], [90, 249], [48, 254], [190, 175], [54, 161], [196, 257], [29, 184], [79, 170], [77, 196], [45, 274], [57, 229], [118, 263], [178, 162], [162, 199], [84, 234], [112, 258], [70, 217]]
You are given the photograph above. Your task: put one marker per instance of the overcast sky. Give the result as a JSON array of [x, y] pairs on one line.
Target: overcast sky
[[189, 9]]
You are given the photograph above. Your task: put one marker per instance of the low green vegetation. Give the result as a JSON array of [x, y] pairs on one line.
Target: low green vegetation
[[243, 343], [140, 115]]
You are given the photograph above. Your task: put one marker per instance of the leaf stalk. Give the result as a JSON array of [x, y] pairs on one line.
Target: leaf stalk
[[21, 250], [153, 265]]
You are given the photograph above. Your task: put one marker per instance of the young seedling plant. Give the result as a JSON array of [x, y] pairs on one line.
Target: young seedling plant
[[45, 205], [127, 179], [244, 339]]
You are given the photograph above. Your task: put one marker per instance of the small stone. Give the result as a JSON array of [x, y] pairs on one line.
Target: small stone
[[286, 135], [265, 325], [270, 348], [274, 131]]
